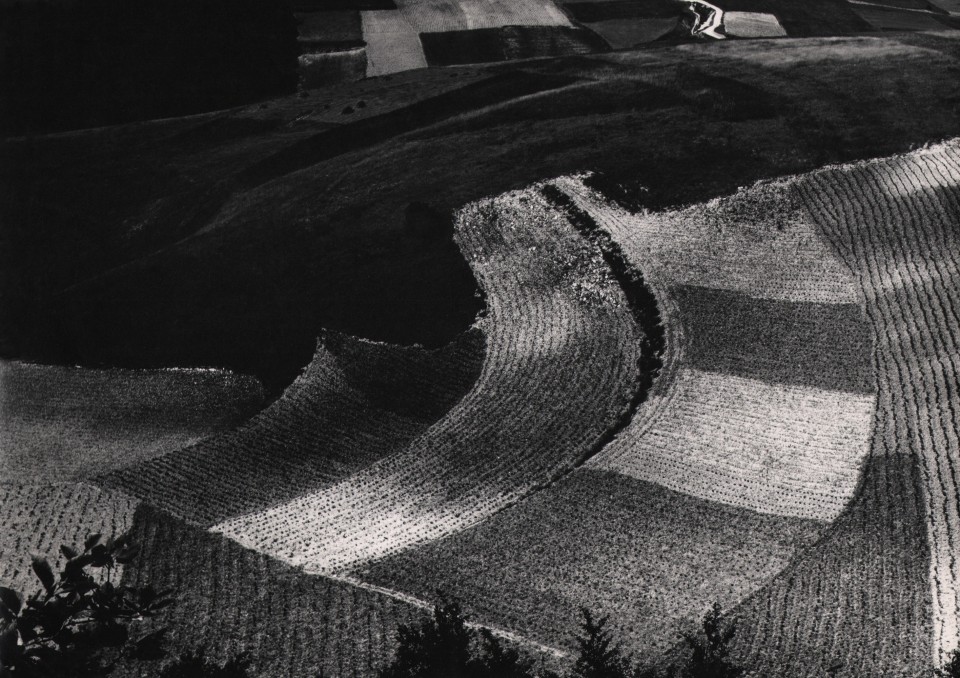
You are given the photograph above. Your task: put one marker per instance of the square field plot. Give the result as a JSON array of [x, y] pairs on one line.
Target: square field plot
[[626, 33], [752, 25], [884, 19], [486, 45]]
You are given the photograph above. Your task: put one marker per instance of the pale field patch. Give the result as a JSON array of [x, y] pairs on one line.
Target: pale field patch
[[393, 44], [785, 450], [752, 25]]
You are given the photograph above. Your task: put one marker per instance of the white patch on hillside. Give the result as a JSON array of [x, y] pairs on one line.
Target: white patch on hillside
[[772, 448]]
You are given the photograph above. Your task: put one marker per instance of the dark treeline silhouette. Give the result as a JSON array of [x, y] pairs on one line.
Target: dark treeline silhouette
[[70, 65]]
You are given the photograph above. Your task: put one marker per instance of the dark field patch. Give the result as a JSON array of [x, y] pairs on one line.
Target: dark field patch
[[485, 45], [613, 10], [319, 31], [823, 345], [624, 33], [230, 599], [643, 554], [892, 19], [329, 68]]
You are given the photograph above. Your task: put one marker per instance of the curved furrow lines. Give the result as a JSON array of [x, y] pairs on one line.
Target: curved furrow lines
[[356, 402], [888, 571], [560, 369]]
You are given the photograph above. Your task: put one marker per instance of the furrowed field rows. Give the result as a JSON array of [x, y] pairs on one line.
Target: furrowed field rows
[[894, 222], [762, 456], [759, 241], [230, 600], [786, 450], [733, 418], [356, 402], [59, 423], [37, 519], [647, 556], [560, 370]]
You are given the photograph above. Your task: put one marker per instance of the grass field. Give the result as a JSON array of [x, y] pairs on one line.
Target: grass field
[[59, 424]]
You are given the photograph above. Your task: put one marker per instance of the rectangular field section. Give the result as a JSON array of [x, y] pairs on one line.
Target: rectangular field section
[[486, 45]]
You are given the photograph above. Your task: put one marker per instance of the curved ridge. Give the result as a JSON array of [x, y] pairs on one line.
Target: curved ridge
[[559, 371], [350, 407]]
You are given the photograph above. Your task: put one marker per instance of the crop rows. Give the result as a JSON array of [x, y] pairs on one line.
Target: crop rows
[[733, 419], [786, 450], [37, 519], [761, 460], [59, 424], [231, 600], [562, 350], [752, 25], [356, 402], [894, 223], [759, 241], [643, 554]]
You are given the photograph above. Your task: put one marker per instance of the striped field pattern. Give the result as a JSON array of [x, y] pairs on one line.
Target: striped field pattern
[[561, 362]]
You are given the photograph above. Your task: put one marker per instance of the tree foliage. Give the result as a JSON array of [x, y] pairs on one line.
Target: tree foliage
[[76, 624], [443, 646], [709, 648], [952, 668]]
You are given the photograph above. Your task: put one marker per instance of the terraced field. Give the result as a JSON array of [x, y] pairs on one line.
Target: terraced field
[[355, 403], [60, 424], [749, 445], [887, 575], [561, 363]]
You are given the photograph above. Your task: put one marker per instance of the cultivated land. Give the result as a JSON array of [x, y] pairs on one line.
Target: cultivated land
[[777, 431]]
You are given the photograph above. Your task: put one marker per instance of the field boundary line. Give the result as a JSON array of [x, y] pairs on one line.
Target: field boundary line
[[424, 605]]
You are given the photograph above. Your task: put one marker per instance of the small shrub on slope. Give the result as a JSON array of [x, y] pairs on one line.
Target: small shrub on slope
[[599, 656], [195, 665], [952, 668], [709, 648], [443, 647]]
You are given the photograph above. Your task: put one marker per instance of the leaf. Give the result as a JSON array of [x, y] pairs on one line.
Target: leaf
[[42, 569], [68, 552], [92, 541], [9, 645], [11, 599]]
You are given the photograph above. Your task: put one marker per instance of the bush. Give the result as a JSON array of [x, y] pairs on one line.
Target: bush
[[709, 648], [444, 647], [76, 625], [952, 668], [195, 665]]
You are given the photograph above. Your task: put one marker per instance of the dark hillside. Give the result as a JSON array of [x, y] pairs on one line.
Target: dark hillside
[[101, 62]]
